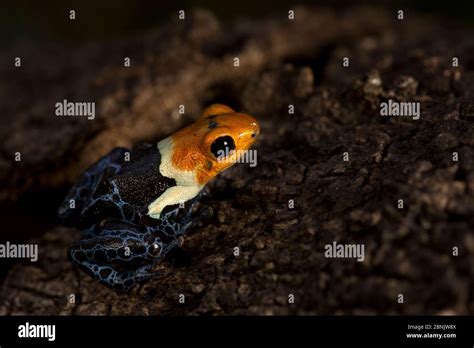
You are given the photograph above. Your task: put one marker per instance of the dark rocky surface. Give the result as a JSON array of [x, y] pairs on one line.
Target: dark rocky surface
[[300, 157]]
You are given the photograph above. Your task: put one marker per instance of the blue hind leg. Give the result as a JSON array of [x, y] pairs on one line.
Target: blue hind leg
[[119, 281], [122, 254], [80, 194]]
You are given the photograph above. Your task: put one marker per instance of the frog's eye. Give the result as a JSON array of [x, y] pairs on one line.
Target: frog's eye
[[222, 146]]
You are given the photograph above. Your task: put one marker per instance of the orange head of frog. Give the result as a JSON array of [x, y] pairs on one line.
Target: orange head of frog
[[214, 142]]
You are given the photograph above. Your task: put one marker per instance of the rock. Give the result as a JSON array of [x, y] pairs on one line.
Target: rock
[[466, 110]]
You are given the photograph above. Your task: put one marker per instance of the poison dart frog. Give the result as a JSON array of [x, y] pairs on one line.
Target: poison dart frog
[[128, 202]]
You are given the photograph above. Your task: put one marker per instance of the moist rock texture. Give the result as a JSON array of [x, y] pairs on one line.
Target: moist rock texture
[[344, 166]]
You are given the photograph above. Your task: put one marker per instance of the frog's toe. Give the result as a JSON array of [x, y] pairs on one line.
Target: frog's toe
[[125, 281]]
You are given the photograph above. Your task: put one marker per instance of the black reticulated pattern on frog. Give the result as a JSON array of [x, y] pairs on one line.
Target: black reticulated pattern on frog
[[121, 246]]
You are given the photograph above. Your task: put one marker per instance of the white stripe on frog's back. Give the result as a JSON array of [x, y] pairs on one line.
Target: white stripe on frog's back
[[186, 186]]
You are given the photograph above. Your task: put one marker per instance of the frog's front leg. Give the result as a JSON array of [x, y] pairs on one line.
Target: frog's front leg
[[177, 220], [123, 254], [172, 196]]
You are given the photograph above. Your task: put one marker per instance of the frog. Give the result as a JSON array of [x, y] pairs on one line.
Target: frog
[[134, 206]]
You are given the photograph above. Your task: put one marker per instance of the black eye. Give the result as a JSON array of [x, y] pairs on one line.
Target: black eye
[[222, 146]]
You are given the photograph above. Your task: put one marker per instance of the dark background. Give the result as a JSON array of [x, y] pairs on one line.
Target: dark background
[[46, 21]]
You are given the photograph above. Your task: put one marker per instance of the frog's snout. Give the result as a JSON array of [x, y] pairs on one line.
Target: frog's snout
[[254, 128]]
